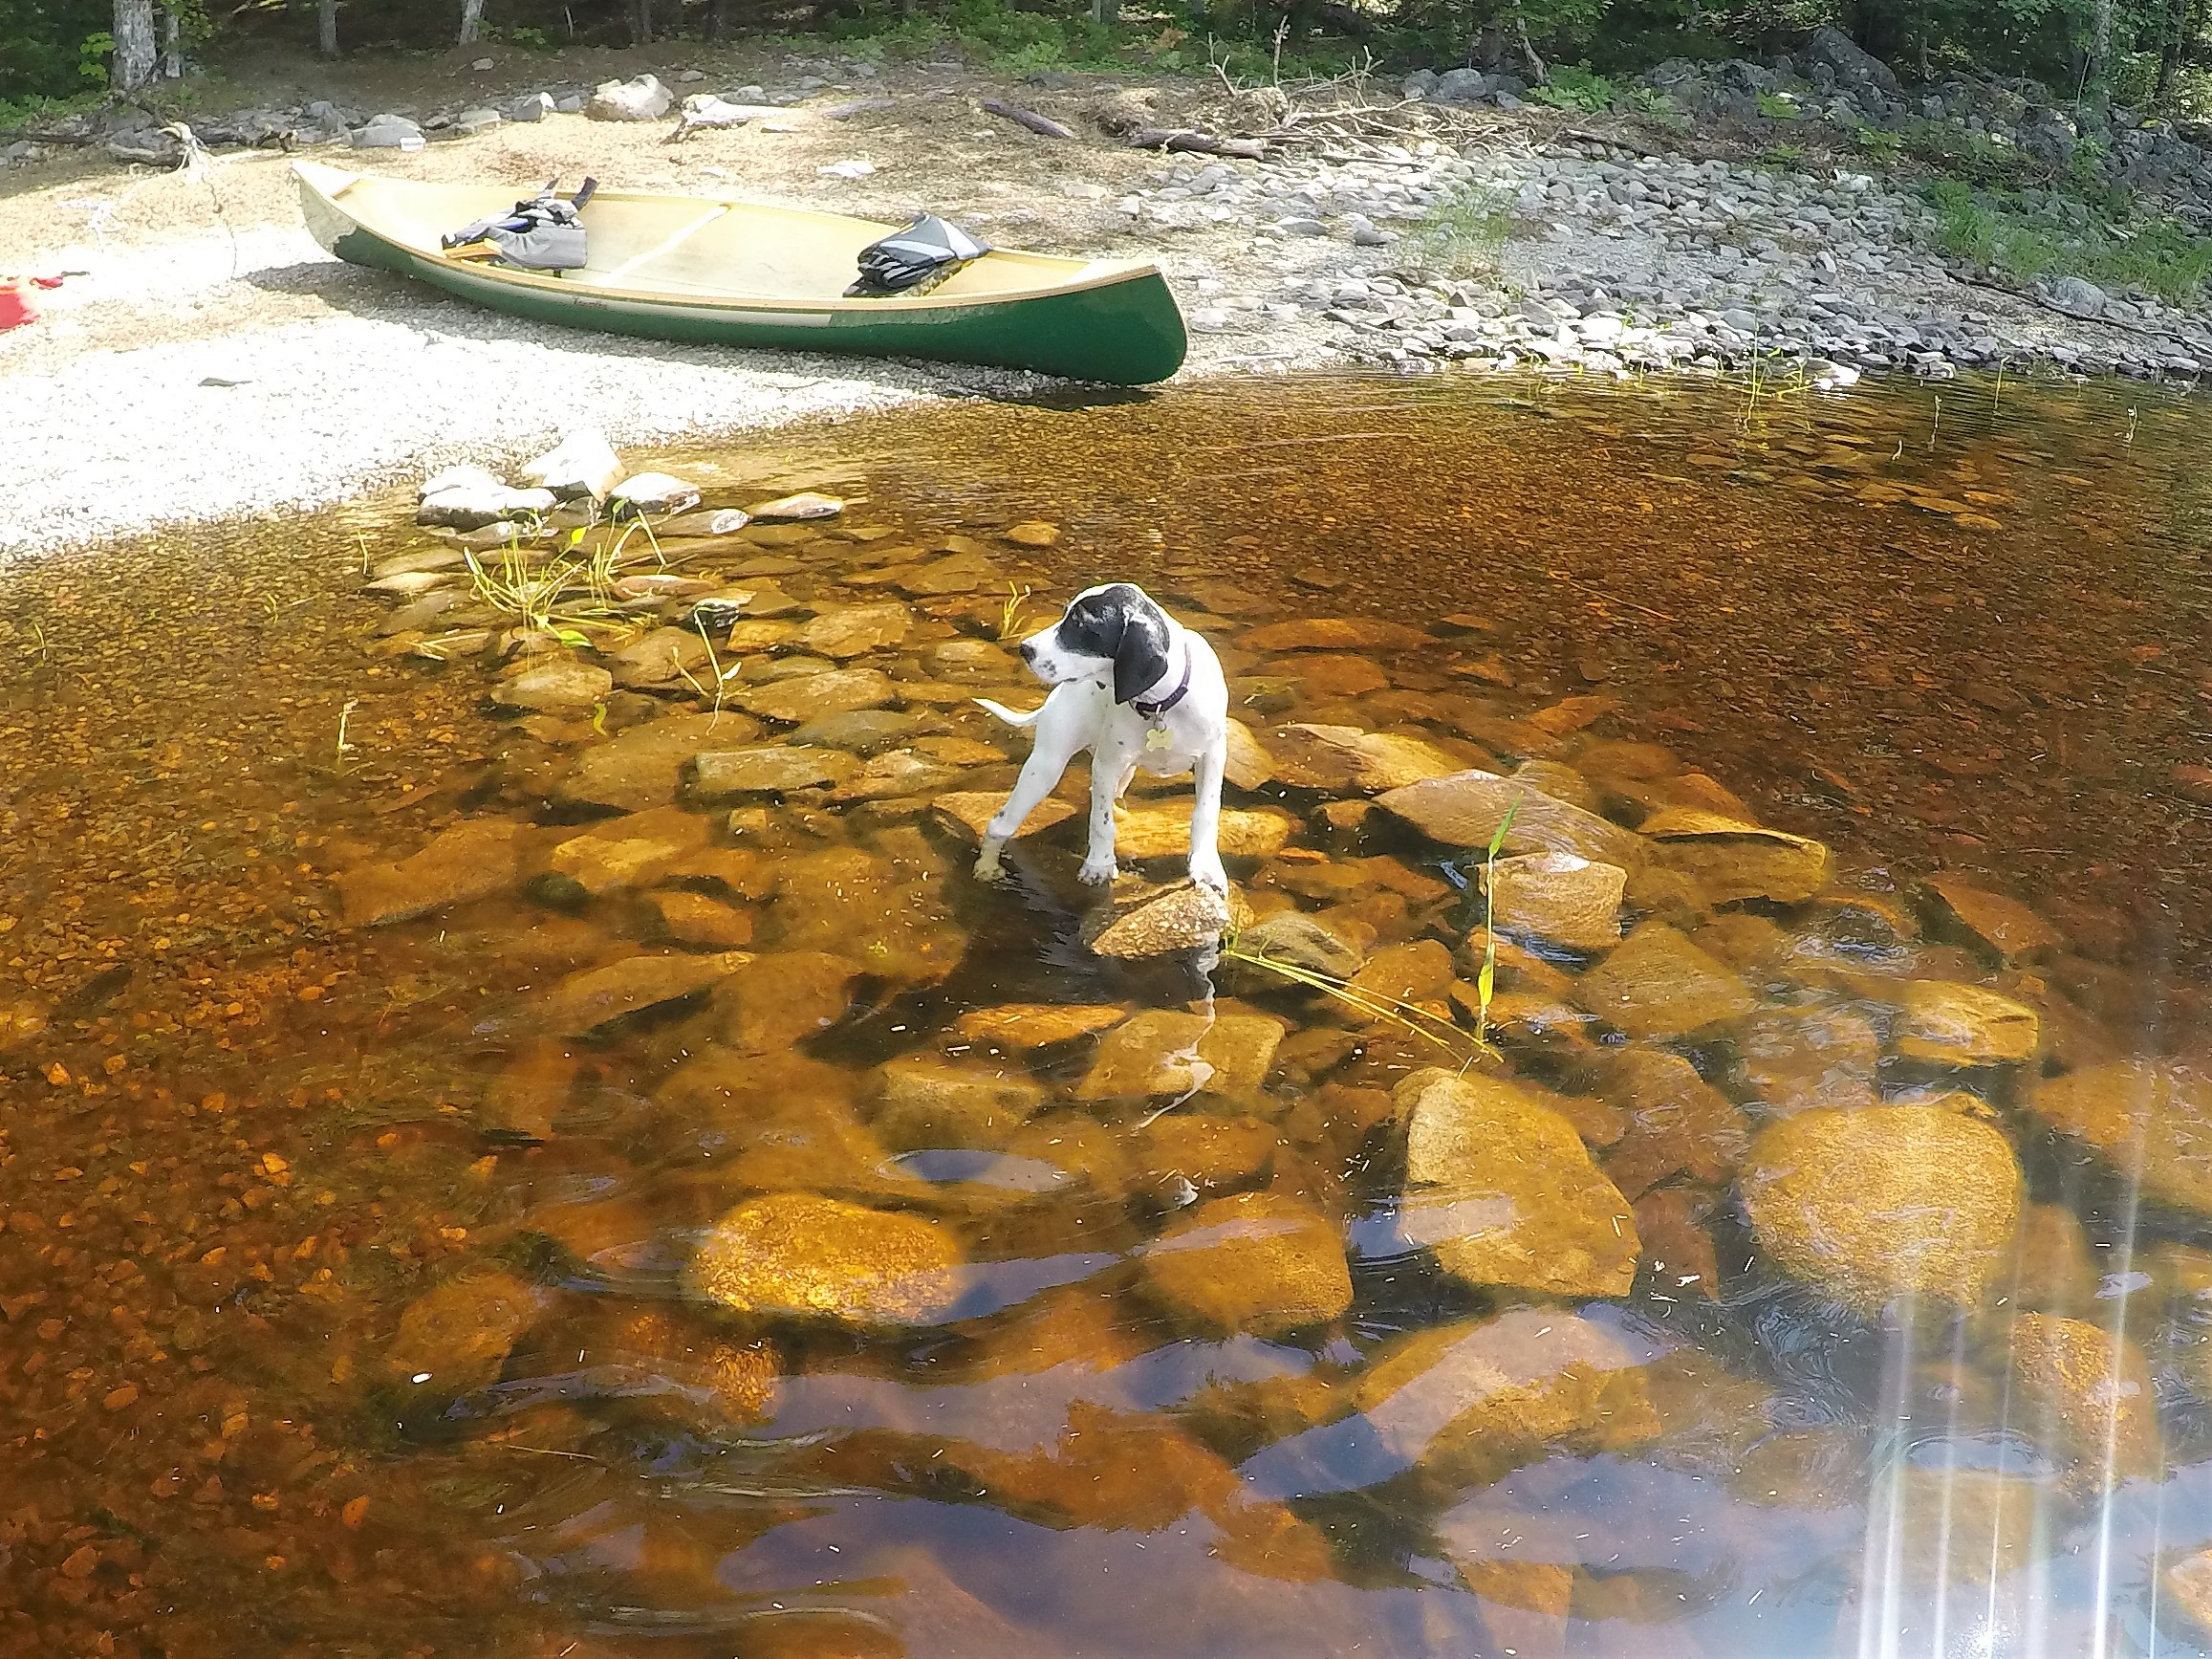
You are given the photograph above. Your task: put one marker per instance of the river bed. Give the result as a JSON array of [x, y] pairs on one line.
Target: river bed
[[478, 1180]]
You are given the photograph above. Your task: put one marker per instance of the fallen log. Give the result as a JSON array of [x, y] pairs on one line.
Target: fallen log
[[1204, 143], [1044, 126]]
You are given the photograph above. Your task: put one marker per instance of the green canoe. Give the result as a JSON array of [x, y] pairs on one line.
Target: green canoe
[[705, 268]]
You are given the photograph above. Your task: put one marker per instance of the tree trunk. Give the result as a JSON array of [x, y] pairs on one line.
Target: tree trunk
[[1108, 12], [326, 26], [2100, 44], [133, 64], [172, 51], [471, 21], [718, 22], [640, 22]]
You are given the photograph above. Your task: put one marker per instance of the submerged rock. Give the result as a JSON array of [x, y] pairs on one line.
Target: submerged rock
[[1163, 832], [1557, 898], [2088, 1393], [797, 1256], [782, 999], [583, 1001], [767, 768], [1799, 1058], [1465, 809], [901, 774], [2150, 1119], [1383, 761], [1026, 1025], [625, 852], [1732, 860], [642, 767], [808, 696], [1947, 1024], [2005, 926], [1162, 1051], [1296, 940], [560, 687], [1678, 1123], [1255, 1262], [1659, 986], [972, 810], [472, 860], [852, 901], [1467, 1404], [695, 919], [1892, 1201], [2188, 1587], [1334, 634], [1502, 1188], [457, 1337], [930, 1103], [852, 630]]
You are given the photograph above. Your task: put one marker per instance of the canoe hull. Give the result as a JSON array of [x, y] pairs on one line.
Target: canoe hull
[[1129, 332]]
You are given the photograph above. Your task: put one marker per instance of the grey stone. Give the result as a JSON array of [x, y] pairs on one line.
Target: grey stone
[[2083, 299], [533, 108], [388, 132], [476, 120], [1461, 86]]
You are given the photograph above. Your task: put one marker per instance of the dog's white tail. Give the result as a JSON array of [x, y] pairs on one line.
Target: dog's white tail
[[1008, 714]]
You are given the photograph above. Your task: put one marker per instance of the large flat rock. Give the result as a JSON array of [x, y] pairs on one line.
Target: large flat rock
[[1501, 1187], [1466, 808]]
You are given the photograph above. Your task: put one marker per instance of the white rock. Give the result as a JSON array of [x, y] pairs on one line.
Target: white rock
[[703, 109], [473, 506], [582, 464], [656, 493], [642, 99], [846, 170]]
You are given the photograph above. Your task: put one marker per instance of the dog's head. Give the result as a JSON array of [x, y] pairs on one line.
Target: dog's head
[[1113, 634]]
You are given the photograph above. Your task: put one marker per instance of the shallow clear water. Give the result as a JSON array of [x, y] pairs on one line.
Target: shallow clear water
[[262, 1169]]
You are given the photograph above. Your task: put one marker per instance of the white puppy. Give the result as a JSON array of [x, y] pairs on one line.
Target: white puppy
[[1137, 689]]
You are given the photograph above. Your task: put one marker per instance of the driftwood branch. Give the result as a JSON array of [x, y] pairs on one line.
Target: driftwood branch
[[1182, 139], [1044, 126]]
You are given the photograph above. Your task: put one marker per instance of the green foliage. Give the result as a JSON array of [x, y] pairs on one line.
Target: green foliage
[[1778, 106], [1575, 86], [2162, 255], [92, 53], [43, 52], [1880, 145], [1465, 233], [530, 40], [1782, 154], [1655, 106]]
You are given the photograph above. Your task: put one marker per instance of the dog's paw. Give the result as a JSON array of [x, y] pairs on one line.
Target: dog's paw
[[987, 868], [1097, 871], [1211, 875]]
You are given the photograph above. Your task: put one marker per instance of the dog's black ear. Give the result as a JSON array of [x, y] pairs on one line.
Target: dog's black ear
[[1140, 659]]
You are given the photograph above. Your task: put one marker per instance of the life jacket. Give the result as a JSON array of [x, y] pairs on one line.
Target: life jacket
[[915, 259], [542, 234]]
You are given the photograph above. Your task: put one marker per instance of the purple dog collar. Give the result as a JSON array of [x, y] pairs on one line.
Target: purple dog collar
[[1154, 710]]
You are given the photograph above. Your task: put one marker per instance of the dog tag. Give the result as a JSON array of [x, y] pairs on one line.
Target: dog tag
[[1157, 738]]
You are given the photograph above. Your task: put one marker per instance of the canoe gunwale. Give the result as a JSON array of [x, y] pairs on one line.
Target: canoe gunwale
[[1104, 273]]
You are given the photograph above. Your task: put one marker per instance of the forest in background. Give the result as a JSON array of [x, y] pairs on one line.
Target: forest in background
[[2149, 55]]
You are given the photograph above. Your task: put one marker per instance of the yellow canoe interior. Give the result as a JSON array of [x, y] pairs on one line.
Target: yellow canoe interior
[[702, 247]]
